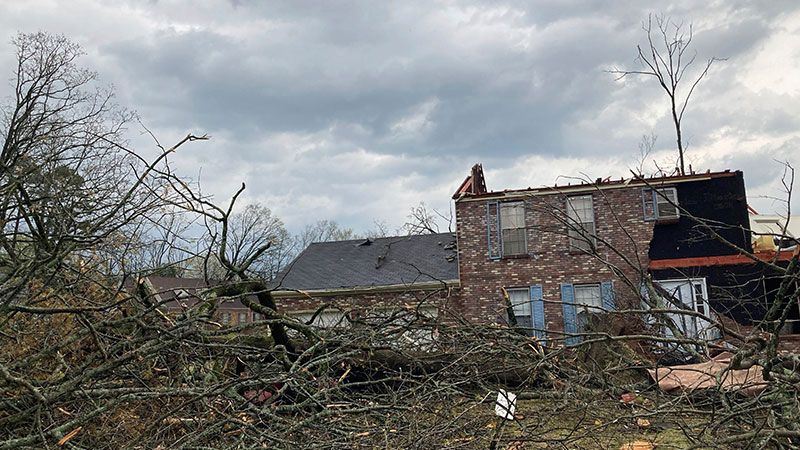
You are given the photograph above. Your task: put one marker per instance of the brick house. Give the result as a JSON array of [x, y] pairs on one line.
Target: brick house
[[382, 274], [564, 252], [550, 259], [177, 294], [355, 277]]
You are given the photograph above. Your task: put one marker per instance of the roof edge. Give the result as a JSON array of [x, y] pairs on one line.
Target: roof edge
[[592, 187]]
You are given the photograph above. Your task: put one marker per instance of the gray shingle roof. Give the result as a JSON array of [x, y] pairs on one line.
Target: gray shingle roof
[[359, 263]]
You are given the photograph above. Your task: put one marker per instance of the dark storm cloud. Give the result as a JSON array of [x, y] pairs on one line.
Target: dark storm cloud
[[357, 110]]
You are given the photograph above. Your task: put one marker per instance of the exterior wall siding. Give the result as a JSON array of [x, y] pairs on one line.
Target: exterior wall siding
[[444, 299], [619, 221]]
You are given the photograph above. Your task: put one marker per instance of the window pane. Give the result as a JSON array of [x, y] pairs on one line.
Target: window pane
[[581, 224], [520, 301], [648, 205], [325, 319], [578, 242], [582, 238], [588, 295], [665, 208], [579, 208], [512, 222], [514, 241], [512, 215]]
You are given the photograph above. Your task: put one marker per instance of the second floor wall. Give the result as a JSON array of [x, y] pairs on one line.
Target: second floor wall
[[663, 218]]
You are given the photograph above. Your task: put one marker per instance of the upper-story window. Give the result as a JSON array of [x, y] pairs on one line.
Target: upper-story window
[[512, 223], [660, 203], [581, 229]]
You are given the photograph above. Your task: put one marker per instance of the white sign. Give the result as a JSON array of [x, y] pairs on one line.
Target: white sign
[[506, 404]]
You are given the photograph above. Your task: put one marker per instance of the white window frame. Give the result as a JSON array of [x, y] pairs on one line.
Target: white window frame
[[582, 309], [580, 237], [521, 306], [328, 318], [520, 214], [586, 286], [662, 196], [699, 292], [225, 317], [239, 318]]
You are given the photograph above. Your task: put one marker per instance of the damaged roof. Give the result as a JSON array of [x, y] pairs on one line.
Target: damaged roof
[[474, 186], [379, 262]]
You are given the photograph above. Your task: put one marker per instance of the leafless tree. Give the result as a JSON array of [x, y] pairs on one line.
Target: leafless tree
[[421, 220], [323, 231], [666, 57], [87, 360], [254, 227]]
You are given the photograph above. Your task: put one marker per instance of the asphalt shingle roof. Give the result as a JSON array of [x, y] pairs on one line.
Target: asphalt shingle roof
[[401, 260]]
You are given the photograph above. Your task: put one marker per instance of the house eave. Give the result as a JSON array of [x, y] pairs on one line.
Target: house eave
[[590, 187]]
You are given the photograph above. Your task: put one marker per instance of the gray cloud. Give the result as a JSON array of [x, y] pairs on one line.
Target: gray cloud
[[357, 110]]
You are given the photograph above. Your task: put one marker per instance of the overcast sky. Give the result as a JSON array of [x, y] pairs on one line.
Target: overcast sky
[[356, 111]]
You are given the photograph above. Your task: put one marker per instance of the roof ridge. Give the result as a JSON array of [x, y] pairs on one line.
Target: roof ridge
[[374, 239]]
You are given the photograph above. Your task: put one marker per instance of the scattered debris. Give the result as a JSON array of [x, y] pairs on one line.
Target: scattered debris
[[691, 377], [638, 445], [628, 398], [67, 437], [506, 404], [642, 423]]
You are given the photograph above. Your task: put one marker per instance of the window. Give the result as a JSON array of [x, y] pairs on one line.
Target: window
[[521, 304], [225, 317], [587, 301], [242, 317], [588, 296], [689, 294], [256, 317], [512, 223], [409, 327], [580, 214], [328, 318], [660, 204]]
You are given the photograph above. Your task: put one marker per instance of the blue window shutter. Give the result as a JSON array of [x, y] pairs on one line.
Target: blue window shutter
[[493, 230], [537, 313], [607, 294], [649, 208], [570, 316]]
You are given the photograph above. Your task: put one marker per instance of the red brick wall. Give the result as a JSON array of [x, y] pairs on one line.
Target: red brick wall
[[442, 298], [618, 220]]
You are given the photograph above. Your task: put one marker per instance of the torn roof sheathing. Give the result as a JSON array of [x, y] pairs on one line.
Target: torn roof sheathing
[[474, 186], [692, 377]]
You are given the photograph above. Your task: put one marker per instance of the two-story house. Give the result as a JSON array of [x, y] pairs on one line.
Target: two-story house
[[553, 259], [561, 253]]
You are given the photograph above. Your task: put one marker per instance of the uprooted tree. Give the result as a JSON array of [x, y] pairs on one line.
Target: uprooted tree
[[89, 361]]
